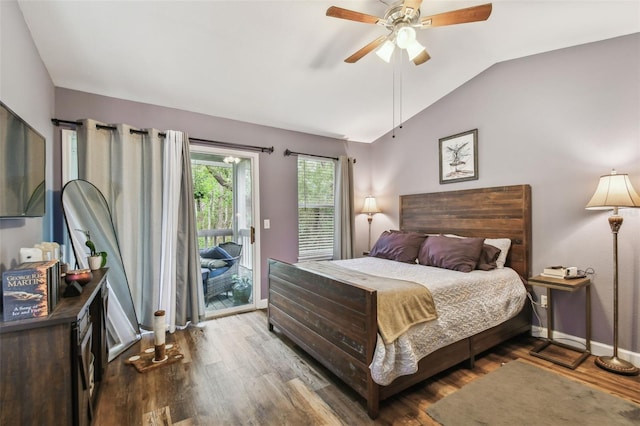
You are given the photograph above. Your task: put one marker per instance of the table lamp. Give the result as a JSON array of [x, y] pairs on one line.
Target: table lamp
[[370, 208]]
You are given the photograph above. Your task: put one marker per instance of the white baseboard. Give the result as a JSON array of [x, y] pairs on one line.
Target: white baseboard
[[597, 348]]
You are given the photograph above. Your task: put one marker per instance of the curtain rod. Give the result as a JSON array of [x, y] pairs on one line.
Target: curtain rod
[[288, 152], [267, 149], [58, 122]]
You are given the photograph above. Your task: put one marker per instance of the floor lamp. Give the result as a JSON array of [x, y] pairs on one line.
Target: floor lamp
[[370, 208], [615, 191]]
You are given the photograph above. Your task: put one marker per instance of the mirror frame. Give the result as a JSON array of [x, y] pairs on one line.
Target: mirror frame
[[89, 211]]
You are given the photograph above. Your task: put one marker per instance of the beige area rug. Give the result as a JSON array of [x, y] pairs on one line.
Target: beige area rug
[[521, 394]]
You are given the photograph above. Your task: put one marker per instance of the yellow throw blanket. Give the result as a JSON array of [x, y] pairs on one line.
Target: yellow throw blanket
[[401, 304]]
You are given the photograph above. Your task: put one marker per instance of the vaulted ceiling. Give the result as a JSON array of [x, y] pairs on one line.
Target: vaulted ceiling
[[280, 63]]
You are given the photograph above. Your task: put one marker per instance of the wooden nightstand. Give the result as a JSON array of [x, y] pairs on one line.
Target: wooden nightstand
[[570, 286]]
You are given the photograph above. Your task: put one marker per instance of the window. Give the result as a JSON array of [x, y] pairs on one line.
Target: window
[[316, 208]]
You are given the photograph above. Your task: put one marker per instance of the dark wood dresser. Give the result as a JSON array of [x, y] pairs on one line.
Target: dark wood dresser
[[51, 367]]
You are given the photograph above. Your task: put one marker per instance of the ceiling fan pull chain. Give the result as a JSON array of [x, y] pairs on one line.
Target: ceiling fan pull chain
[[400, 88], [393, 100]]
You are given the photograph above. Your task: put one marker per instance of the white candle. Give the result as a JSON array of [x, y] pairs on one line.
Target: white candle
[[159, 327]]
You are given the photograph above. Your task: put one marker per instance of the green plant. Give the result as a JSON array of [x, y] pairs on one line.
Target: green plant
[[92, 248], [241, 283]]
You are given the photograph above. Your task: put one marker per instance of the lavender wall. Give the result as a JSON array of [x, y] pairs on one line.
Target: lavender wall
[[556, 121], [26, 88], [278, 174]]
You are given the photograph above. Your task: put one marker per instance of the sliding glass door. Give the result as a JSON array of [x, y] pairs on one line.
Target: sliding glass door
[[224, 197]]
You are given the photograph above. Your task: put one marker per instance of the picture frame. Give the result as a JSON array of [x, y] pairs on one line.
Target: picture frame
[[458, 157]]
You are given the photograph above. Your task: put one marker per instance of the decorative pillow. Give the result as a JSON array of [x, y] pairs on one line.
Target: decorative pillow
[[399, 246], [212, 263], [217, 253], [504, 244], [488, 257], [458, 254], [217, 272]]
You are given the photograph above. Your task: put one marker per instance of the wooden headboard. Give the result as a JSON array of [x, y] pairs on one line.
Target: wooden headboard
[[499, 212]]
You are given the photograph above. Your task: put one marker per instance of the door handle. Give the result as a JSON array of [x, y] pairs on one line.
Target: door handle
[[253, 235]]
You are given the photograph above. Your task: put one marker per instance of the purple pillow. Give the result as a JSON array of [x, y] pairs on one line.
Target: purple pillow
[[458, 254], [399, 246], [488, 257]]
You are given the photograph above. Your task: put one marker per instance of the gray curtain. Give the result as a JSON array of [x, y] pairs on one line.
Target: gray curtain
[[189, 294], [128, 169], [180, 275], [344, 213]]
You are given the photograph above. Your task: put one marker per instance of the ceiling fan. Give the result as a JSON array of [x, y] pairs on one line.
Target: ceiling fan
[[401, 19]]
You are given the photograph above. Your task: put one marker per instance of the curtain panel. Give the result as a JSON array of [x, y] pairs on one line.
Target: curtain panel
[[146, 180], [344, 213]]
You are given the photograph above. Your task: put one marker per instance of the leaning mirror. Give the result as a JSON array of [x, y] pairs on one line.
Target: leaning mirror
[[87, 214]]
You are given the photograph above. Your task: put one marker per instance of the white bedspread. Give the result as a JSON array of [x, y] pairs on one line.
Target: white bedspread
[[467, 303]]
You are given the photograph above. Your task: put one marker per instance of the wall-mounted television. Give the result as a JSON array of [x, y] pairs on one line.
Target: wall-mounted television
[[22, 167]]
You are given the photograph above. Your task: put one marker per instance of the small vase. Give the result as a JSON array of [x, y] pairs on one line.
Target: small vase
[[94, 262]]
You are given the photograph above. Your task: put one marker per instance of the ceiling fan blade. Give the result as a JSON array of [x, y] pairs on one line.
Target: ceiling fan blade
[[338, 12], [421, 58], [368, 48], [411, 4], [460, 16]]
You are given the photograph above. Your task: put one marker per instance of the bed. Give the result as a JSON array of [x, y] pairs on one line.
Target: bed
[[336, 321]]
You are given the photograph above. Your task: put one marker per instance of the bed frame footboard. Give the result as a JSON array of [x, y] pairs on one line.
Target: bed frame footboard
[[333, 321]]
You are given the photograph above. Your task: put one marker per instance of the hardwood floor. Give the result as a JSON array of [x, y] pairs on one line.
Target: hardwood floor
[[236, 372]]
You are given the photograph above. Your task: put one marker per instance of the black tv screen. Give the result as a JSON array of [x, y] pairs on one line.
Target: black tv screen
[[22, 167]]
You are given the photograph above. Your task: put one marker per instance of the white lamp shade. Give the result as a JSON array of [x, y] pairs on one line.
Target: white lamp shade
[[370, 205], [385, 51], [414, 49], [405, 36], [614, 191]]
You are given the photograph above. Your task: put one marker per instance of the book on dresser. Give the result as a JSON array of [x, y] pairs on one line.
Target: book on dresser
[[30, 290]]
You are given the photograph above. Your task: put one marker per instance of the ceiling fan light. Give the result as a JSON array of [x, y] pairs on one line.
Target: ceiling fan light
[[405, 35], [385, 51], [414, 49]]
